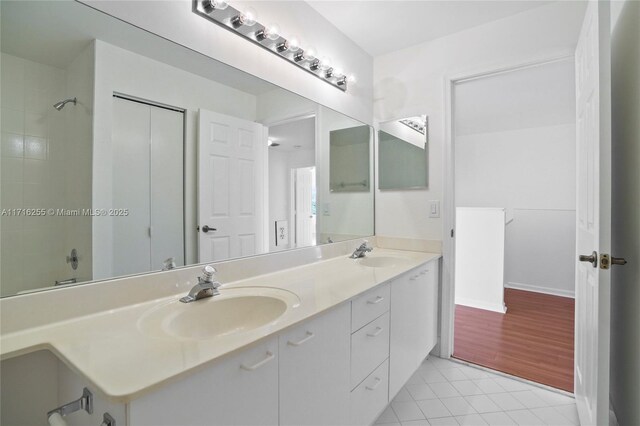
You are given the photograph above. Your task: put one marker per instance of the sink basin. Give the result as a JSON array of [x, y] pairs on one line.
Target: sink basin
[[234, 311], [380, 262]]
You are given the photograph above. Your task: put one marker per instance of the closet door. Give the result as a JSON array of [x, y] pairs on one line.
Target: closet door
[[130, 141], [167, 213]]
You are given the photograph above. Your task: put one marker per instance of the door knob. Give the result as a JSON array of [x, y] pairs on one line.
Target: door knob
[[206, 229], [592, 258]]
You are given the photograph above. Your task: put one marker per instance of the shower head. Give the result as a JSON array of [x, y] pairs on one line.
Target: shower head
[[61, 104]]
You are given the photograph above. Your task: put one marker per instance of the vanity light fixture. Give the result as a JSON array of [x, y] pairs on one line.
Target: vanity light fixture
[[419, 124], [245, 24]]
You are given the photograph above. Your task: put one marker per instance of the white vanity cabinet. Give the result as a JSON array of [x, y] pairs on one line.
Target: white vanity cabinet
[[414, 320], [314, 370], [239, 390]]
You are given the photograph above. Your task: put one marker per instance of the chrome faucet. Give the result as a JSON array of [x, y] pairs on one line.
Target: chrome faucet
[[206, 286], [360, 251]]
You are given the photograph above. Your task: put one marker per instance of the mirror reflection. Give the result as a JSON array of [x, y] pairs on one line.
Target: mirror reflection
[[403, 154], [124, 153]]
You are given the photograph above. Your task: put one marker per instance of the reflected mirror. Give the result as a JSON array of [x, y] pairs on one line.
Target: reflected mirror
[[124, 153], [403, 154]]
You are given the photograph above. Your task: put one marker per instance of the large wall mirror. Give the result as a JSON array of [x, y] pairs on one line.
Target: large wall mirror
[[403, 154], [124, 153]]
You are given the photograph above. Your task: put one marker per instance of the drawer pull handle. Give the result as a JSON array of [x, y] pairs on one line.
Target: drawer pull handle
[[375, 385], [377, 300], [304, 340], [375, 333], [270, 356]]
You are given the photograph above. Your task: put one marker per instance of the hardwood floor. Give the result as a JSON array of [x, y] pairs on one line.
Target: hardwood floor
[[533, 340]]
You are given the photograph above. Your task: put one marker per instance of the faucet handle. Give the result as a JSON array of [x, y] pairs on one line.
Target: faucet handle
[[207, 273]]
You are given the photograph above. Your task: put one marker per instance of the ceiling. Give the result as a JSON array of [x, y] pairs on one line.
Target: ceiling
[[295, 135], [381, 27]]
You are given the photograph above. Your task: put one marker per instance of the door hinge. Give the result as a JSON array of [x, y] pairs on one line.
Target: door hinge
[[452, 233]]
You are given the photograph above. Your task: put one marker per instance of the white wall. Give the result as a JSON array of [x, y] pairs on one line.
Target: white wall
[[118, 70], [625, 280], [170, 19], [411, 81]]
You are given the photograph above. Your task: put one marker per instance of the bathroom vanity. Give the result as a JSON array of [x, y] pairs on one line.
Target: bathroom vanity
[[326, 342]]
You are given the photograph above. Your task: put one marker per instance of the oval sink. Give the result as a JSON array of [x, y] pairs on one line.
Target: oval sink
[[234, 311], [380, 262]]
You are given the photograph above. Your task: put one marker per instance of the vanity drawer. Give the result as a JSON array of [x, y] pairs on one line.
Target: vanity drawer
[[369, 306], [371, 396], [369, 348]]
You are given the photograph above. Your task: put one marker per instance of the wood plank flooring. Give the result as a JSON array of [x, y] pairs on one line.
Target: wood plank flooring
[[533, 340]]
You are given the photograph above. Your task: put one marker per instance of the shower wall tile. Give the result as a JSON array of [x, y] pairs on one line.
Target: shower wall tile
[[12, 82], [11, 169], [12, 120], [36, 124], [12, 144]]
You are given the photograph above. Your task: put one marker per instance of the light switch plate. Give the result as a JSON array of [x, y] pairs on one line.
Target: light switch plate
[[434, 208]]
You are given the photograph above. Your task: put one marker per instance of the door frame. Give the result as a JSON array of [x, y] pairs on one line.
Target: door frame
[[447, 307]]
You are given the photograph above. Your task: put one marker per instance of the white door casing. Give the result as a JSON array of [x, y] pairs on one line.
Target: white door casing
[[231, 190], [593, 215]]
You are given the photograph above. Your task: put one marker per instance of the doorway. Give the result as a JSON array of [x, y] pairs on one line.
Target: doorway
[[514, 151]]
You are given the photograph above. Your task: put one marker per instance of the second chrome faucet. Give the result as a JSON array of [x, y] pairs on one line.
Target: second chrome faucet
[[206, 287]]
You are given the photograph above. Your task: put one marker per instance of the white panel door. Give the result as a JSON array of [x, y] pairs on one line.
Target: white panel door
[[593, 215], [305, 226], [167, 198], [231, 164]]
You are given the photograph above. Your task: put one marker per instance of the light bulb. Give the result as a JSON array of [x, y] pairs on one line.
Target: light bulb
[[211, 5], [272, 31], [293, 44], [325, 63], [310, 53], [337, 71], [352, 78], [248, 18]]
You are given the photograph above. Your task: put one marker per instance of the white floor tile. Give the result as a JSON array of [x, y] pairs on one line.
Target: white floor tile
[[443, 363], [415, 378], [433, 408], [529, 399], [452, 374], [550, 416], [475, 373], [443, 390], [554, 398], [420, 391], [511, 385], [458, 406], [466, 387], [387, 416], [423, 422], [570, 412], [444, 421], [498, 419], [482, 404], [524, 418], [407, 411], [489, 386], [432, 376], [403, 395], [471, 420], [506, 401]]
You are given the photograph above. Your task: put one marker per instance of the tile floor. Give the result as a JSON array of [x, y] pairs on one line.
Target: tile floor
[[445, 392]]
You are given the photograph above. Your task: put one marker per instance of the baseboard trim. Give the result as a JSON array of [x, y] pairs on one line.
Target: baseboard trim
[[538, 289], [495, 307]]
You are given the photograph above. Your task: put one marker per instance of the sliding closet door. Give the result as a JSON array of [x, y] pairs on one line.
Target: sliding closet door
[[167, 220], [148, 146], [130, 141]]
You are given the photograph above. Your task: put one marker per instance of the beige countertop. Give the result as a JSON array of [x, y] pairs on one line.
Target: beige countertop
[[115, 354]]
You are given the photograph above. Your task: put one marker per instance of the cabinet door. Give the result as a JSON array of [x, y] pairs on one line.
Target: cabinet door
[[314, 370], [414, 315], [240, 390]]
